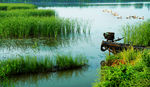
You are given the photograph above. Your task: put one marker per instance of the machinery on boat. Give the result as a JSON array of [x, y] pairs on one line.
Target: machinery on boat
[[112, 46]]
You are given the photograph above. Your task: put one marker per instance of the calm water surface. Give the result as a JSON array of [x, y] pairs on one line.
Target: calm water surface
[[89, 46]]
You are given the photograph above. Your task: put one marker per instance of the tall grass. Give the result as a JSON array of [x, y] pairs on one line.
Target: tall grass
[[25, 27], [11, 6], [33, 64], [135, 72], [138, 34], [66, 62], [27, 13]]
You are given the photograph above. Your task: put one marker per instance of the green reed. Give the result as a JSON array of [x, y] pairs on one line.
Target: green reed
[[138, 34], [34, 64], [27, 13], [11, 6], [27, 27], [67, 61]]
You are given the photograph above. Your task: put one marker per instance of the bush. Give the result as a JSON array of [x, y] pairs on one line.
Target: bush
[[146, 58], [134, 73]]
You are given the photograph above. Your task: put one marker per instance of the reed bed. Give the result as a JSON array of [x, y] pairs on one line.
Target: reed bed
[[138, 34], [33, 64], [12, 6], [27, 27], [128, 69], [27, 13]]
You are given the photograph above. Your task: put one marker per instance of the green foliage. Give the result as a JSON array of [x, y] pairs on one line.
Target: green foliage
[[135, 73], [33, 64], [11, 6], [66, 62], [138, 34], [27, 13], [24, 65], [127, 55], [25, 27], [146, 58]]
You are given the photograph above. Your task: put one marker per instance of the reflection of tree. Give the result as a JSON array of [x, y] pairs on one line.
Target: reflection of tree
[[125, 5], [148, 6], [139, 6]]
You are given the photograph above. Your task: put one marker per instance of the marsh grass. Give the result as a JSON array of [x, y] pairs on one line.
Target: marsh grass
[[138, 34], [66, 61], [33, 64], [28, 27], [134, 73], [12, 6], [27, 13]]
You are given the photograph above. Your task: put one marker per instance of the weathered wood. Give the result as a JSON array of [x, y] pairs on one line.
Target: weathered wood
[[117, 47]]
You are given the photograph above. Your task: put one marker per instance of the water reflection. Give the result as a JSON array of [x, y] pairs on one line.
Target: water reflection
[[25, 80], [137, 5], [84, 44], [39, 47]]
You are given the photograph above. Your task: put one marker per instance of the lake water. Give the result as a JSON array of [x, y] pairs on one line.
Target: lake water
[[89, 45]]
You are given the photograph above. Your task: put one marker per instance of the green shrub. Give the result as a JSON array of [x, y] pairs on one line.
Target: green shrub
[[134, 73], [146, 58]]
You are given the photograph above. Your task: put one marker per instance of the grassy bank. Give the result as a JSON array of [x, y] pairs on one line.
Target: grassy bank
[[127, 69], [27, 27], [33, 64], [27, 13], [12, 6], [138, 34]]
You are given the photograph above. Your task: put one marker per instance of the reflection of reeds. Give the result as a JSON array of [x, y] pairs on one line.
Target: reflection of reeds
[[138, 34], [11, 6], [25, 27], [29, 64], [27, 13], [34, 78]]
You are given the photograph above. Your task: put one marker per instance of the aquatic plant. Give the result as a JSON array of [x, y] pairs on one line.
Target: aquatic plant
[[25, 27], [11, 6], [138, 34], [27, 13], [134, 72], [65, 61], [33, 64]]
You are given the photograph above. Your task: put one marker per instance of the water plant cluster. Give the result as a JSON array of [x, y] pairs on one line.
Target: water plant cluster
[[28, 23], [26, 27], [23, 21], [27, 13], [12, 6], [138, 34], [34, 64], [126, 69]]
